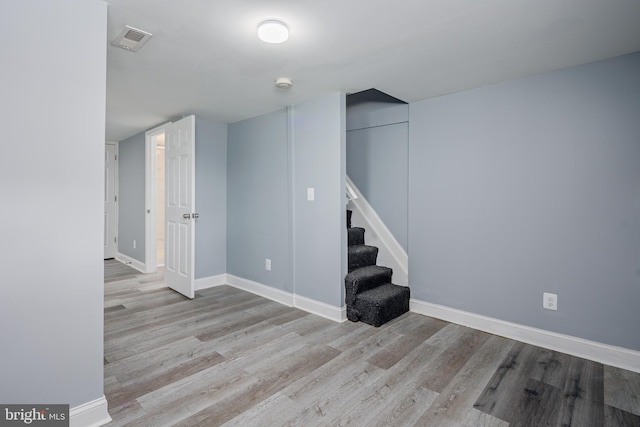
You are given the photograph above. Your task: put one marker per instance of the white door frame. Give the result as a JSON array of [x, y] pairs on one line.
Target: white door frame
[[150, 196], [115, 192]]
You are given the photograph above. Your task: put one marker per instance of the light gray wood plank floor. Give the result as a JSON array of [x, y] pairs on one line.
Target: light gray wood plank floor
[[232, 358]]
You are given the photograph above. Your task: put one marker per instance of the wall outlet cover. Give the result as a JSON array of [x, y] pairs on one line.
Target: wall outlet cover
[[549, 301]]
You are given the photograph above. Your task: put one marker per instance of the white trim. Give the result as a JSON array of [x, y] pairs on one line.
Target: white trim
[[351, 194], [591, 350], [150, 196], [259, 289], [132, 262], [90, 414], [331, 312], [391, 254], [337, 314], [210, 282]]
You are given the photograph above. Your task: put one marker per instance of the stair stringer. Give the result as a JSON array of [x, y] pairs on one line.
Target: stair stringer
[[390, 253]]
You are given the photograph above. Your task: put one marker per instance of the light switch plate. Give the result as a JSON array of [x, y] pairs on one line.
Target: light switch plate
[[311, 194]]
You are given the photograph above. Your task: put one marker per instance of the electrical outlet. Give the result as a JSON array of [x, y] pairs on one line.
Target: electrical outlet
[[549, 301], [134, 244], [267, 264]]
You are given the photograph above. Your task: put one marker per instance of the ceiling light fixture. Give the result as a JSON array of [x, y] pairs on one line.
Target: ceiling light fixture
[[273, 32]]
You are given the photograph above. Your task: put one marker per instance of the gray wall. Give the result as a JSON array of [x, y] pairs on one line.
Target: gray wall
[[319, 227], [372, 114], [377, 160], [272, 160], [531, 186], [258, 200], [211, 199], [53, 106], [131, 203]]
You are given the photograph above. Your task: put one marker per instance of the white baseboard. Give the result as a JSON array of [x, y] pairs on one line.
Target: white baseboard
[[259, 289], [90, 414], [591, 350], [337, 314], [331, 312], [132, 262], [210, 282]]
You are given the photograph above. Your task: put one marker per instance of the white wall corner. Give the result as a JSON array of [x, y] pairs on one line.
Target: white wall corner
[[90, 414], [210, 282], [591, 350], [257, 288], [331, 312], [391, 253], [132, 262]]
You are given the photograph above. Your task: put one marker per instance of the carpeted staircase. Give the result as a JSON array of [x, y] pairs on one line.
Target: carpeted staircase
[[370, 295]]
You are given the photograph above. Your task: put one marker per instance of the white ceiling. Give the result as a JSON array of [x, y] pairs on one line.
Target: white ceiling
[[205, 58]]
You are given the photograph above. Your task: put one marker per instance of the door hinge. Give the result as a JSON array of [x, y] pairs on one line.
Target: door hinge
[[115, 157], [115, 198], [115, 239]]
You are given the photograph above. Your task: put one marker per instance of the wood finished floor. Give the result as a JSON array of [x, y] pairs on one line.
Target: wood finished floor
[[231, 358]]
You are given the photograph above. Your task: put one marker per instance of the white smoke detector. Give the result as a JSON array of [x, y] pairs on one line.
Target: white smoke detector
[[283, 83], [131, 39]]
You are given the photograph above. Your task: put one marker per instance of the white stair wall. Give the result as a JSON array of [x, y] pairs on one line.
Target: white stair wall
[[390, 253]]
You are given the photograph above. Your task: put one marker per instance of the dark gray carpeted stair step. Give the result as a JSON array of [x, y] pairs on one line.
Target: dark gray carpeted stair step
[[355, 236], [370, 295], [379, 305], [361, 256], [365, 278]]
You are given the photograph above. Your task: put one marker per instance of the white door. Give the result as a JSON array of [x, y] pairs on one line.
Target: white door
[[179, 206], [110, 246]]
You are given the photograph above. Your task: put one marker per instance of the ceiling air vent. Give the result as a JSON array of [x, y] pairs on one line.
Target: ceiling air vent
[[131, 39]]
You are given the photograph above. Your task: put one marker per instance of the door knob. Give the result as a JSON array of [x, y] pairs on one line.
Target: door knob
[[186, 216], [195, 215]]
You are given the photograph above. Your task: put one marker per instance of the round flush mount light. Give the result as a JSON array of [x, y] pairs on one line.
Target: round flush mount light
[[273, 32]]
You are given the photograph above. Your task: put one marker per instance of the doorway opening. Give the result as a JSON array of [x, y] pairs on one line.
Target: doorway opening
[[155, 198], [110, 200]]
